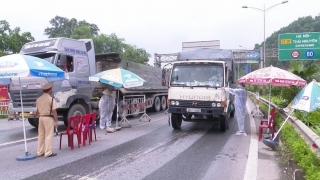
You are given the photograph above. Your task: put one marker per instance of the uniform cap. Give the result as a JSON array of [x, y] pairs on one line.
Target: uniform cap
[[107, 92], [47, 86]]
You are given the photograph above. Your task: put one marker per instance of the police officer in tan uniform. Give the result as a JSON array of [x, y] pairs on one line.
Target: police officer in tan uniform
[[47, 121]]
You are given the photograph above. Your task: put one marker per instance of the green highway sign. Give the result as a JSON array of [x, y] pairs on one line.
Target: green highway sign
[[299, 46]]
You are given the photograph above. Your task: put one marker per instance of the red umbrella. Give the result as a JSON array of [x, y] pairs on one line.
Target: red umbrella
[[272, 76]]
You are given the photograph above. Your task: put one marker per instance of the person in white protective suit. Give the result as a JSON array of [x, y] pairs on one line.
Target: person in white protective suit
[[106, 106], [240, 106]]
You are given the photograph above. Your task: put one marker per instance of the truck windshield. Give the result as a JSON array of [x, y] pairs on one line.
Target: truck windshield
[[46, 56], [197, 75]]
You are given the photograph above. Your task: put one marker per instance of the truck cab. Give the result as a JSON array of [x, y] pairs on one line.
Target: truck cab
[[77, 59], [196, 91]]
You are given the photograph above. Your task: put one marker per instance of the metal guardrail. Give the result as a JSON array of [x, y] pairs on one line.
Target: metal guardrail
[[298, 124]]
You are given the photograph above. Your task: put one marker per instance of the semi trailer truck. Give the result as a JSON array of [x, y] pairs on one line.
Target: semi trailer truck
[[78, 95]]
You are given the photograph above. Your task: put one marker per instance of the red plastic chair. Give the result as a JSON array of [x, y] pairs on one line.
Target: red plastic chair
[[272, 113], [92, 126], [269, 125], [74, 120], [84, 125]]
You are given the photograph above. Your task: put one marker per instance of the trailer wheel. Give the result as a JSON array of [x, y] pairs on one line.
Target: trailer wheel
[[176, 121], [223, 124], [163, 103], [156, 104], [76, 109], [135, 112], [34, 122]]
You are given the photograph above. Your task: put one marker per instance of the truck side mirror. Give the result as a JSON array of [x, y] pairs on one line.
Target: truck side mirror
[[164, 83], [163, 73], [230, 76], [230, 79]]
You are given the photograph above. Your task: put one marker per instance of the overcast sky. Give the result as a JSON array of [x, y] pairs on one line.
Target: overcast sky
[[160, 26]]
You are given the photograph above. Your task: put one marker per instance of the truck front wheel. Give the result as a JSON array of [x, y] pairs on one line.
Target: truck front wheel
[[163, 103], [34, 122], [176, 121], [76, 109], [223, 124], [232, 111]]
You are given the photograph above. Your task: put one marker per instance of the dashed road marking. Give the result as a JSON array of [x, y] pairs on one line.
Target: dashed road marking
[[252, 163]]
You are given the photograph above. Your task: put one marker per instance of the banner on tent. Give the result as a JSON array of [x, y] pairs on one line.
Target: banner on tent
[[4, 108]]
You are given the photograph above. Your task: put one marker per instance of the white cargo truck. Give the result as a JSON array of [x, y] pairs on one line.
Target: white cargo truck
[[196, 82]]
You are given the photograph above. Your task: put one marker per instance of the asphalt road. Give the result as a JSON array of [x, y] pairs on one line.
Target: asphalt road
[[147, 150]]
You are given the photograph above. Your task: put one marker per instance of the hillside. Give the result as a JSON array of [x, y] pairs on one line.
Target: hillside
[[303, 24]]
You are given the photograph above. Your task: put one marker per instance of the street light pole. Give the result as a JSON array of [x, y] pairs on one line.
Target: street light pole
[[264, 10], [262, 64]]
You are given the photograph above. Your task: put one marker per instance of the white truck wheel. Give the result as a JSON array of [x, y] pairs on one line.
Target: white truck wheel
[[163, 103], [156, 104], [76, 109]]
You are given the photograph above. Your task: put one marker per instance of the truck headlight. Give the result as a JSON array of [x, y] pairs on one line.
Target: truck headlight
[[218, 104], [175, 103], [213, 104]]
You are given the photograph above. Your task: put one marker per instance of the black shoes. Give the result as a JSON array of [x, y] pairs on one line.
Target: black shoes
[[53, 154]]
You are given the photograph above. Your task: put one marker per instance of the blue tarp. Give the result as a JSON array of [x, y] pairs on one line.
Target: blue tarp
[[4, 81]]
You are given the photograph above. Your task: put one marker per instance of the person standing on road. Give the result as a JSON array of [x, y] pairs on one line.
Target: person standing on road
[[240, 106], [106, 107], [46, 111]]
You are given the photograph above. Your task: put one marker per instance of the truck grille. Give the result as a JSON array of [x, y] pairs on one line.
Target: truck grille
[[195, 104], [28, 97]]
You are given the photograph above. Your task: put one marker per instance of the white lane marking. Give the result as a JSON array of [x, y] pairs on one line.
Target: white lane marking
[[29, 139], [152, 121], [13, 142], [252, 163], [133, 165]]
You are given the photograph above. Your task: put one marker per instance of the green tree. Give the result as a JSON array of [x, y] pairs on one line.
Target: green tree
[[82, 31], [135, 54], [306, 71], [11, 41], [63, 27], [104, 43], [4, 33]]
